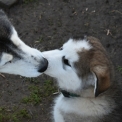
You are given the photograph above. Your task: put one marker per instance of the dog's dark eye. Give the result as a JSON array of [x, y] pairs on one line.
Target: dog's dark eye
[[61, 48], [65, 61], [7, 62]]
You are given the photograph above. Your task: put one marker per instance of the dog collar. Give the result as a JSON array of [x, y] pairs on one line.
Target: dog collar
[[68, 94]]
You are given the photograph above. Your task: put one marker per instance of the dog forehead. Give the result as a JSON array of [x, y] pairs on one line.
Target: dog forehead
[[73, 47]]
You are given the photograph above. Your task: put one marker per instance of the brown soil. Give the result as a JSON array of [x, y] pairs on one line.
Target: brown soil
[[47, 24]]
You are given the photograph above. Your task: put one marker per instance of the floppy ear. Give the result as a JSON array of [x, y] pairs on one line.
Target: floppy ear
[[102, 79]]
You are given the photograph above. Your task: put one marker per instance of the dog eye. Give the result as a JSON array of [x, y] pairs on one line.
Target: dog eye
[[61, 48], [8, 62], [65, 61]]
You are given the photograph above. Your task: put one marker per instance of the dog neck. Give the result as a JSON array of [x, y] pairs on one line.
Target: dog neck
[[68, 94], [85, 93]]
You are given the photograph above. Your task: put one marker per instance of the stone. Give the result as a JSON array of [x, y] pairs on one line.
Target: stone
[[7, 3]]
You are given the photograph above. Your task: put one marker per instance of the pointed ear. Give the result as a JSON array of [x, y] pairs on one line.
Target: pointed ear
[[101, 78]]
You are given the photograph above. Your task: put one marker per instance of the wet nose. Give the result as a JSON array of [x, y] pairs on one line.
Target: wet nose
[[44, 65]]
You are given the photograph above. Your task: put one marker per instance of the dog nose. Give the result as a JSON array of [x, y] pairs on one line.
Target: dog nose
[[43, 66]]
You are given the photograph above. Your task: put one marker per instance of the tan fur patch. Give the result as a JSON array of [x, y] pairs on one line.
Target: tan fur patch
[[96, 60]]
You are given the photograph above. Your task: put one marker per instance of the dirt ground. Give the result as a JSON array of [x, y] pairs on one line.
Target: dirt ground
[[47, 24]]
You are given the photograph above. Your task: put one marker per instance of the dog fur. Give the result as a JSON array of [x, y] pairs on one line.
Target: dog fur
[[82, 67], [15, 56]]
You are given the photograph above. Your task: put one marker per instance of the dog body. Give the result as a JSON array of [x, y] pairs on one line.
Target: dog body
[[15, 56], [85, 77]]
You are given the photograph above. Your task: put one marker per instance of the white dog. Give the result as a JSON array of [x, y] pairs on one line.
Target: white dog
[[85, 78], [15, 56]]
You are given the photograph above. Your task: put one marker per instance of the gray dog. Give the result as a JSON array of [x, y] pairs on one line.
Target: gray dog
[[15, 56]]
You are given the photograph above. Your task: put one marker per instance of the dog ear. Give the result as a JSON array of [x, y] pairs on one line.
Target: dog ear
[[102, 79]]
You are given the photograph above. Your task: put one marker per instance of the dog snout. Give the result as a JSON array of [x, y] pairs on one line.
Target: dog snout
[[44, 65]]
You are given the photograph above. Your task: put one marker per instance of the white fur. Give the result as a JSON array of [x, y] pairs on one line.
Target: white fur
[[14, 38], [55, 63], [25, 48]]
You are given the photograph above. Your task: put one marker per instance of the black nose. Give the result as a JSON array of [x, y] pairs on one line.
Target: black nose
[[43, 66]]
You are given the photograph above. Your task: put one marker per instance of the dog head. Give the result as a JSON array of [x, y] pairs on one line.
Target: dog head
[[80, 66], [15, 56]]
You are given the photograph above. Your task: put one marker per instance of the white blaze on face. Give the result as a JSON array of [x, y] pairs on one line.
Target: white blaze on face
[[15, 39], [23, 47], [72, 47], [67, 77]]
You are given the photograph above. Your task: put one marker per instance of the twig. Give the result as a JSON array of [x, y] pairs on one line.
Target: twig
[[2, 75], [117, 11]]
